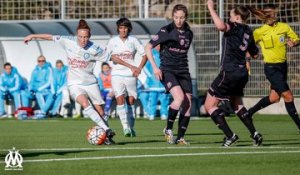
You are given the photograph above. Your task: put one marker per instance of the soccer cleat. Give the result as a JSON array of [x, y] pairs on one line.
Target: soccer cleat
[[257, 139], [127, 132], [169, 135], [230, 141], [133, 133], [182, 142], [109, 135]]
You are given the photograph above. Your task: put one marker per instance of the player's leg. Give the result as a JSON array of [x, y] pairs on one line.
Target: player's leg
[[119, 91], [244, 116], [65, 103], [184, 118], [131, 84], [108, 101], [265, 102], [290, 107]]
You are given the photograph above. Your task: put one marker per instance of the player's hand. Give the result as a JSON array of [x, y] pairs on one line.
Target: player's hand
[[210, 4], [157, 73], [290, 43], [27, 39], [135, 71]]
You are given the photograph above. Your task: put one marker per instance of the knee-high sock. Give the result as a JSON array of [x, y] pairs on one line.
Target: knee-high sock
[[264, 102], [171, 118], [93, 114], [123, 116], [131, 115], [184, 123], [246, 119], [218, 116], [291, 109]]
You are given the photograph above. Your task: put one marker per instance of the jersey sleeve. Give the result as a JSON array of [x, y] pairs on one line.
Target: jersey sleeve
[[101, 54], [139, 47], [161, 36], [62, 39], [291, 34], [252, 48]]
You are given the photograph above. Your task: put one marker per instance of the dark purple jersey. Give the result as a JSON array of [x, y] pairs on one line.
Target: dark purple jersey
[[174, 46], [236, 42]]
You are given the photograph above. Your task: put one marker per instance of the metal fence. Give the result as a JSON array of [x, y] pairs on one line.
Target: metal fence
[[206, 41], [206, 44]]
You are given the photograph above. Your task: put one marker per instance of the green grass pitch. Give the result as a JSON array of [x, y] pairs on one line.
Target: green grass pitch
[[59, 146]]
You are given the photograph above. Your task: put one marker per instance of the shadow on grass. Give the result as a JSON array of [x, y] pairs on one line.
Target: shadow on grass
[[58, 153]]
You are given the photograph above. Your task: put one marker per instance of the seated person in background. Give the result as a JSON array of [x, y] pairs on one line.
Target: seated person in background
[[104, 82], [10, 87], [60, 83], [156, 90], [41, 85]]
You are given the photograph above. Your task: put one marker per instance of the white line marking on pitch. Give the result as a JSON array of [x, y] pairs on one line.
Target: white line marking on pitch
[[158, 155], [149, 148]]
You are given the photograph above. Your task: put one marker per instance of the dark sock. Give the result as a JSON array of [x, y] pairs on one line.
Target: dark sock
[[291, 109], [264, 102], [247, 120], [183, 127], [181, 116], [218, 116], [171, 118]]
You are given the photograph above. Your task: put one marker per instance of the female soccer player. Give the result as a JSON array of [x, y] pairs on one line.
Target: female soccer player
[[82, 54], [124, 76], [229, 84], [175, 40], [273, 37]]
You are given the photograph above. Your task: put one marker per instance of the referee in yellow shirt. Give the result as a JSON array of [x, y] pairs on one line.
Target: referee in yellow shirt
[[273, 37]]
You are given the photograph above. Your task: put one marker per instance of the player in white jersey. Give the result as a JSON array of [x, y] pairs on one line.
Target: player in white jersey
[[82, 55], [123, 77]]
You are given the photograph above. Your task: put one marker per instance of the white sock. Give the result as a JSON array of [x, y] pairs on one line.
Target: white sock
[[90, 111], [121, 111], [131, 115]]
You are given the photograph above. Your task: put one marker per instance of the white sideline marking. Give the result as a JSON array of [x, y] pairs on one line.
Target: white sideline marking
[[150, 148], [157, 155]]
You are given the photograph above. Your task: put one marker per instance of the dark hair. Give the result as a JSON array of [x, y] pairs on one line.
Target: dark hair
[[180, 7], [104, 64], [83, 25], [6, 64], [59, 62], [242, 11], [124, 22]]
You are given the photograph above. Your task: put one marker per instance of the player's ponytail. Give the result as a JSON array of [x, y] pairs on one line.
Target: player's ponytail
[[82, 25], [266, 16], [242, 11]]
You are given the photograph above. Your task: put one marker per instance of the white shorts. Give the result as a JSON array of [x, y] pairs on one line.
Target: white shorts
[[91, 91], [121, 85]]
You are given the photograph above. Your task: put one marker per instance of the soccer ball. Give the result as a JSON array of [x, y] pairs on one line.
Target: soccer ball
[[96, 135]]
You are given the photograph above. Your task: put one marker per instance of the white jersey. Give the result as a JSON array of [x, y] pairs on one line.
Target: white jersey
[[81, 60], [126, 51]]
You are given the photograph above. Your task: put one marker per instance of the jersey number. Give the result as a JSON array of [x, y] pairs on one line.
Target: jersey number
[[244, 46]]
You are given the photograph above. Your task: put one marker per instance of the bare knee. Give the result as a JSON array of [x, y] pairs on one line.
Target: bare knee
[[288, 96]]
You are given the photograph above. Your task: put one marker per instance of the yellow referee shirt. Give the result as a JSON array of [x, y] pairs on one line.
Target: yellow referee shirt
[[272, 40]]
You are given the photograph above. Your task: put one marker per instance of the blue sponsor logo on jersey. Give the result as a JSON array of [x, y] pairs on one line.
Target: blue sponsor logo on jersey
[[282, 39], [86, 56]]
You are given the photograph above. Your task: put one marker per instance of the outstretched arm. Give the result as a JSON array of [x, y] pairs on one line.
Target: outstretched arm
[[37, 36], [221, 26]]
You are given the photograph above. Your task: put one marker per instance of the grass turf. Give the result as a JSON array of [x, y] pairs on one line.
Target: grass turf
[[58, 146]]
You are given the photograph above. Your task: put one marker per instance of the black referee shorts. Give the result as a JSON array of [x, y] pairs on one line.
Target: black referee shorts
[[229, 83], [276, 73], [177, 78]]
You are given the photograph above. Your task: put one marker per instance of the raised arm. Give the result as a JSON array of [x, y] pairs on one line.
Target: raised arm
[[156, 70], [37, 36], [219, 23]]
